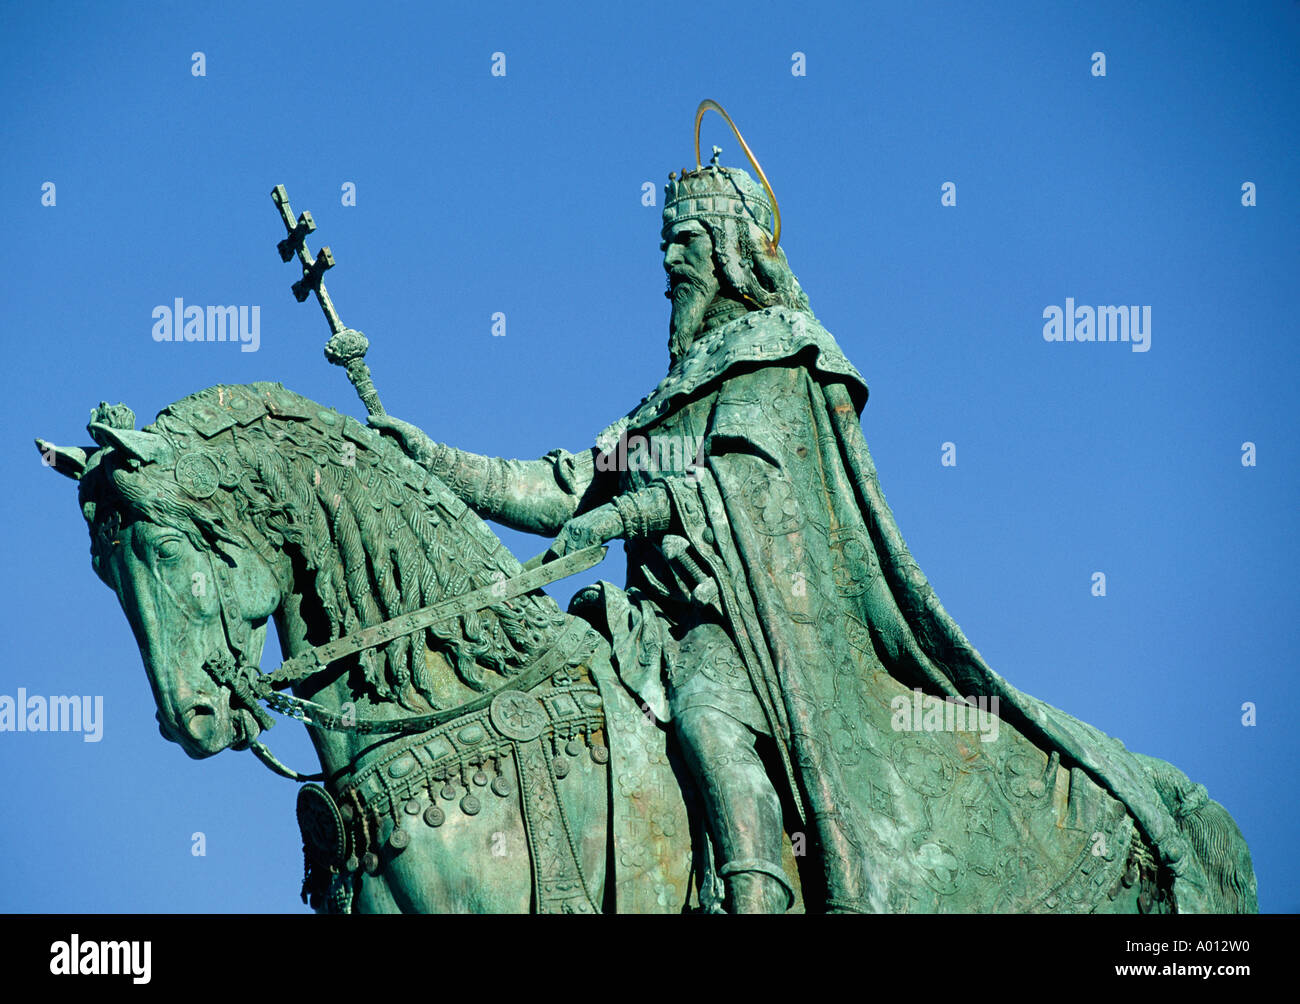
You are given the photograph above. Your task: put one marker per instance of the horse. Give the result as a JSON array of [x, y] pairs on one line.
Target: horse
[[246, 504], [487, 757]]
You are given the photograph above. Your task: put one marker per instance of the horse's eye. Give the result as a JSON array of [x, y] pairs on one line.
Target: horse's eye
[[169, 548]]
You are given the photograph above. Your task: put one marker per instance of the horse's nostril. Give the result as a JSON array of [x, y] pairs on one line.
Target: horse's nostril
[[200, 720]]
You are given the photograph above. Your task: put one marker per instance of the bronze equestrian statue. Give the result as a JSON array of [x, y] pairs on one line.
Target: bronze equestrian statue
[[775, 713]]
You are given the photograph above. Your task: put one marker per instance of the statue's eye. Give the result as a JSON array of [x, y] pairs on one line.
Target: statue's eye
[[169, 548]]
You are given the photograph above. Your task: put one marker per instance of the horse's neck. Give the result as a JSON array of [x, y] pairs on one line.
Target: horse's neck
[[338, 749], [335, 749], [300, 625]]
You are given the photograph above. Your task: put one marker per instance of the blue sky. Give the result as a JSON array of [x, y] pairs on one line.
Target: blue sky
[[521, 194]]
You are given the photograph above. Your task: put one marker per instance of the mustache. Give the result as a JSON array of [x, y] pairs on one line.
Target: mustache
[[680, 277]]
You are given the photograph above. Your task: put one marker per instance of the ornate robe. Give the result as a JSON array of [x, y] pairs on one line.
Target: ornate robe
[[832, 622]]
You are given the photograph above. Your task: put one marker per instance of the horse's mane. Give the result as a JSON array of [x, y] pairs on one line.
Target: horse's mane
[[377, 534]]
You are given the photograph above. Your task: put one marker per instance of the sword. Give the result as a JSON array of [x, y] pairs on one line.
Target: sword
[[304, 665], [346, 347]]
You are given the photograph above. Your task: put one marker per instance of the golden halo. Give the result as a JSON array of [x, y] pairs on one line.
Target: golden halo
[[705, 105]]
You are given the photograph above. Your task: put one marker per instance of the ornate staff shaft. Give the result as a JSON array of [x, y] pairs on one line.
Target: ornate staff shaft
[[346, 347]]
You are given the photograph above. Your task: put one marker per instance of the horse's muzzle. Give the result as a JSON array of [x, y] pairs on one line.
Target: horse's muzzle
[[205, 729]]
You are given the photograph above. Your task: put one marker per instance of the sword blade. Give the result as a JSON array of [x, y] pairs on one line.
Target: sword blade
[[379, 634]]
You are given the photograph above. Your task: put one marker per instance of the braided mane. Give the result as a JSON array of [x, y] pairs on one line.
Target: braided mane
[[377, 535]]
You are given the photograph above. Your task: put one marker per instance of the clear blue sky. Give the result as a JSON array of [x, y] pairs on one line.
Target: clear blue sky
[[522, 194]]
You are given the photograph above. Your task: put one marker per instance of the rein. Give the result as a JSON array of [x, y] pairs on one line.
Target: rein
[[251, 686]]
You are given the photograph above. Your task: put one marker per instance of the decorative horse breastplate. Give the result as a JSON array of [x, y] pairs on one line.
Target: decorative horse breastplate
[[417, 780], [540, 720]]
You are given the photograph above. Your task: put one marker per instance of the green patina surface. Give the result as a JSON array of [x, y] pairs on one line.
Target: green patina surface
[[774, 712]]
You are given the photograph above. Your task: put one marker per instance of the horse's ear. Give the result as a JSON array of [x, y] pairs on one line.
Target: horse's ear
[[70, 461], [148, 447]]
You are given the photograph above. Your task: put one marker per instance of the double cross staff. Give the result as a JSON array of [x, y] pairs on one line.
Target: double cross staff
[[346, 347]]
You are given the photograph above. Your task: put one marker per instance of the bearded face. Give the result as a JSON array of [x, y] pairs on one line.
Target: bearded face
[[692, 282]]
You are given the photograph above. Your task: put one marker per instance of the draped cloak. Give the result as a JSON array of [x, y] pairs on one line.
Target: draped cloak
[[820, 594]]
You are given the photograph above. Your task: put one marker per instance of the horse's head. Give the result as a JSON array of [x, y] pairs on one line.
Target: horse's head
[[249, 501], [192, 586]]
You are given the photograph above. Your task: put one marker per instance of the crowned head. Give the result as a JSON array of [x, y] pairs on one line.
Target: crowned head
[[721, 233]]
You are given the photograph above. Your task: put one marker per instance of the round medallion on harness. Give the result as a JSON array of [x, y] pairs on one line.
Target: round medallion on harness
[[197, 474], [518, 716], [321, 825]]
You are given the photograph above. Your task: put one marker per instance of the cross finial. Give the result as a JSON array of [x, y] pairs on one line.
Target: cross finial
[[346, 348]]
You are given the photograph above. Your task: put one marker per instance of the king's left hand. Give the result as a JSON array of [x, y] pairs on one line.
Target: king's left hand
[[595, 527]]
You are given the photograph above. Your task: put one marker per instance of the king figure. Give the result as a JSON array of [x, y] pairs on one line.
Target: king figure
[[772, 613]]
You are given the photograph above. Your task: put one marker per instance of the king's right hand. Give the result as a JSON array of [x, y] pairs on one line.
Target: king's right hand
[[414, 443]]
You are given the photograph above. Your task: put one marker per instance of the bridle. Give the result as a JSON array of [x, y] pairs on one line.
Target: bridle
[[251, 687]]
